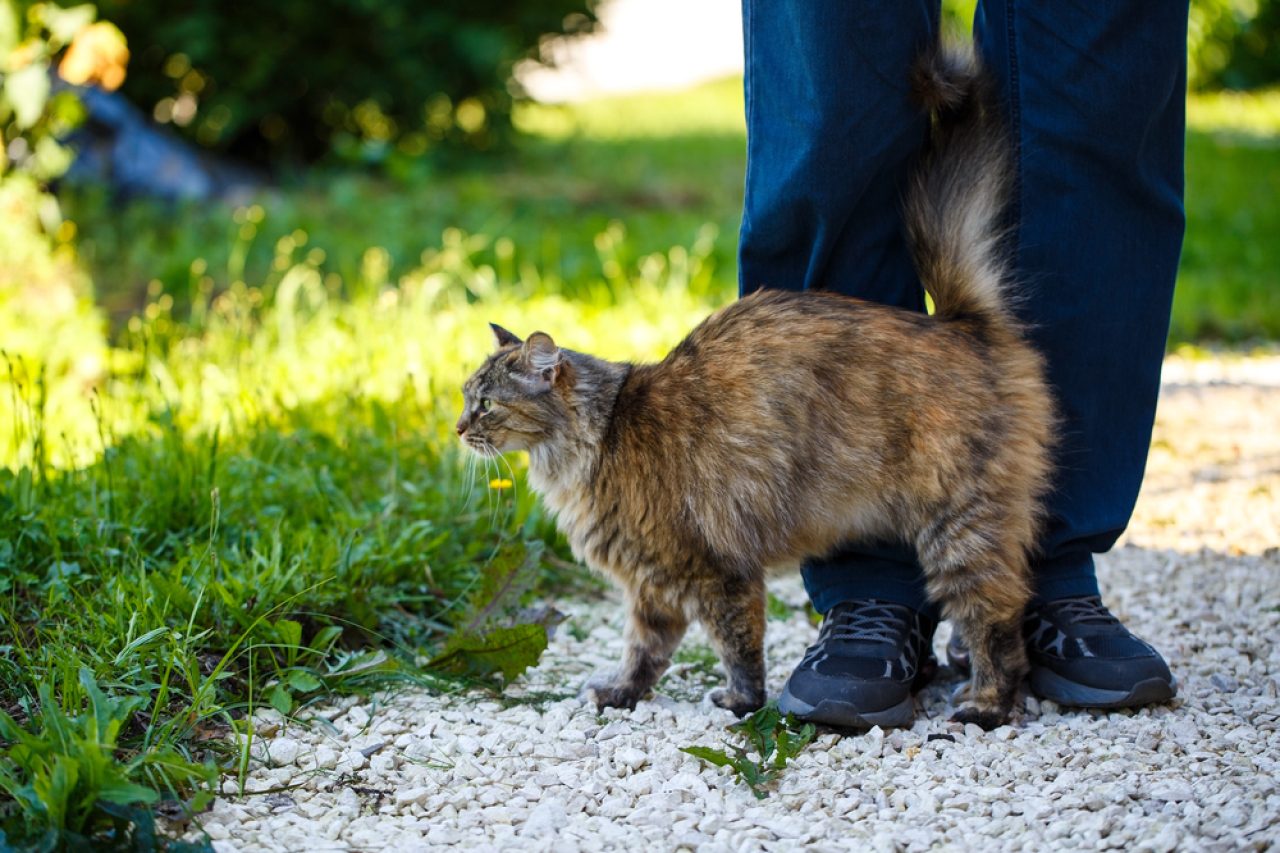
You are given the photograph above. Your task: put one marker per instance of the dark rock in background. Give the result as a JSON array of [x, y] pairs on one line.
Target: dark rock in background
[[120, 147]]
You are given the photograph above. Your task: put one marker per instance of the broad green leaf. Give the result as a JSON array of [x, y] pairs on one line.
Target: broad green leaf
[[325, 638], [503, 582], [289, 632], [27, 90], [302, 680], [123, 793], [718, 757], [54, 788], [507, 650], [280, 699]]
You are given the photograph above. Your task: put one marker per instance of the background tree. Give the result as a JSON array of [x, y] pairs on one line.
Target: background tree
[[298, 79]]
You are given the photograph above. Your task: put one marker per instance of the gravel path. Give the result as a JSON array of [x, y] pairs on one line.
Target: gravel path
[[1198, 575]]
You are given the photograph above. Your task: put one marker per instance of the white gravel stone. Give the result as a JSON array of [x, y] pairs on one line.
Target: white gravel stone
[[630, 758], [283, 750], [1198, 575]]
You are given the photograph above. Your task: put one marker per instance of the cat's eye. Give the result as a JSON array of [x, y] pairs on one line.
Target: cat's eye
[[485, 404]]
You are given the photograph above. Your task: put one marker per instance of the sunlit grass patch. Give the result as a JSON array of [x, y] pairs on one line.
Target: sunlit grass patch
[[1229, 279], [710, 108], [262, 503], [1255, 113]]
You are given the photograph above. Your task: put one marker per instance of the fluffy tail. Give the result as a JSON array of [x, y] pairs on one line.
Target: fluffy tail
[[959, 192]]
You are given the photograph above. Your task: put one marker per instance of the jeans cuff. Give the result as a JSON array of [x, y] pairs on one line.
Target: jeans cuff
[[1066, 576], [829, 585]]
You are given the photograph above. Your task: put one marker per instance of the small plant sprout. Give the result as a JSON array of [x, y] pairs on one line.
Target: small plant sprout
[[772, 740]]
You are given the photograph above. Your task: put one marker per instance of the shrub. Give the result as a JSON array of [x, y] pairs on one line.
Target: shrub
[[365, 78], [1231, 44], [1234, 44]]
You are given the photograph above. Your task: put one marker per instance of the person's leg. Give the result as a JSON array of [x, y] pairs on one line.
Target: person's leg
[[831, 136], [1096, 99]]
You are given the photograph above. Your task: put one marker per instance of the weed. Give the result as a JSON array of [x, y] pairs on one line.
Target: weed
[[771, 742], [72, 788]]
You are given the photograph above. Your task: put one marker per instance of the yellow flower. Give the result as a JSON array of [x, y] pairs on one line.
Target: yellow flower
[[500, 484], [97, 54]]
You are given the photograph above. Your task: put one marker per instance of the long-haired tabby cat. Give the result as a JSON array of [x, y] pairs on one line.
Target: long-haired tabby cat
[[789, 423]]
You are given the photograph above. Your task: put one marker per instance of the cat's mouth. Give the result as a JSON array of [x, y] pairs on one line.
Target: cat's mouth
[[481, 446]]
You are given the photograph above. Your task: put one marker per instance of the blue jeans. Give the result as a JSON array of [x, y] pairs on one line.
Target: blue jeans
[[1095, 101]]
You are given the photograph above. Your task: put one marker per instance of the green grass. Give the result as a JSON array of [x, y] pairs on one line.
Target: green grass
[[1229, 280], [248, 492], [670, 168], [645, 184], [269, 506]]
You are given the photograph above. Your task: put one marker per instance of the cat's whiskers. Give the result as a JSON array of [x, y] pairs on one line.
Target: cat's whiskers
[[515, 495], [469, 474], [494, 475]]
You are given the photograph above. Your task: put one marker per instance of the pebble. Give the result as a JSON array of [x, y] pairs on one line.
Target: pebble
[[283, 750], [418, 771], [630, 757]]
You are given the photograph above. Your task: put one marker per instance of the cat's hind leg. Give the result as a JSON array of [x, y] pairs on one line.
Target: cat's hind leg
[[979, 578], [652, 635], [997, 670], [732, 610]]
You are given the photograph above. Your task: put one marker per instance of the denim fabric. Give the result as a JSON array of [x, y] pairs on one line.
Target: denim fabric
[[1095, 96]]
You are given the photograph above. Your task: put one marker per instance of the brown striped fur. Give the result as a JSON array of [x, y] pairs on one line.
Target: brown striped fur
[[789, 423]]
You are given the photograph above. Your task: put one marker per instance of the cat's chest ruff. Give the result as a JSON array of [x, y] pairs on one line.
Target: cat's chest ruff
[[578, 517]]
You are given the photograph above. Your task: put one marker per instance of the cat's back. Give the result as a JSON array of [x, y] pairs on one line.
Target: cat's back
[[767, 319], [785, 335]]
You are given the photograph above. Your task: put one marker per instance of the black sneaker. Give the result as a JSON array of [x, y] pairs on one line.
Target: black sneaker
[[870, 657], [1082, 655]]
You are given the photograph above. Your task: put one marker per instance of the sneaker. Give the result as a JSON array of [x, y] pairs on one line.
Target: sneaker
[[869, 658], [1082, 655]]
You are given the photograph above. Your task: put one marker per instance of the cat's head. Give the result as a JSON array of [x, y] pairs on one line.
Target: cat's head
[[511, 402]]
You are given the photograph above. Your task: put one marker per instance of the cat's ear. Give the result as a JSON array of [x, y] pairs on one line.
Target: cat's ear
[[502, 336], [543, 356]]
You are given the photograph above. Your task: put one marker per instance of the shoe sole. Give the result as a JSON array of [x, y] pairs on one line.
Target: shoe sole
[[1049, 685], [843, 715]]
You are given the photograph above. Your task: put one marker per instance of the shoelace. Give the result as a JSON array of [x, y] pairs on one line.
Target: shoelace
[[871, 620], [1086, 611]]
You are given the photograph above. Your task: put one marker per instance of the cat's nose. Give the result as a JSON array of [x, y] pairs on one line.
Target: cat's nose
[[461, 425]]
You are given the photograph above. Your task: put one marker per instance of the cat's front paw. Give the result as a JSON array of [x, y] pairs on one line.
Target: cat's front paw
[[611, 693], [970, 708], [987, 718], [740, 704]]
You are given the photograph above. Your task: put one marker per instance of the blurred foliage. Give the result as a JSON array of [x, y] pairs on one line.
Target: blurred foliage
[[1229, 279], [666, 165], [45, 297], [366, 79], [32, 115], [1232, 44]]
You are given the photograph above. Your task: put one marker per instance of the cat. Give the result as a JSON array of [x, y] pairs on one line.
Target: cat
[[789, 423]]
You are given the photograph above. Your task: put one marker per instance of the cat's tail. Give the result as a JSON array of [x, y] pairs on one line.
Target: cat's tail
[[957, 197]]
